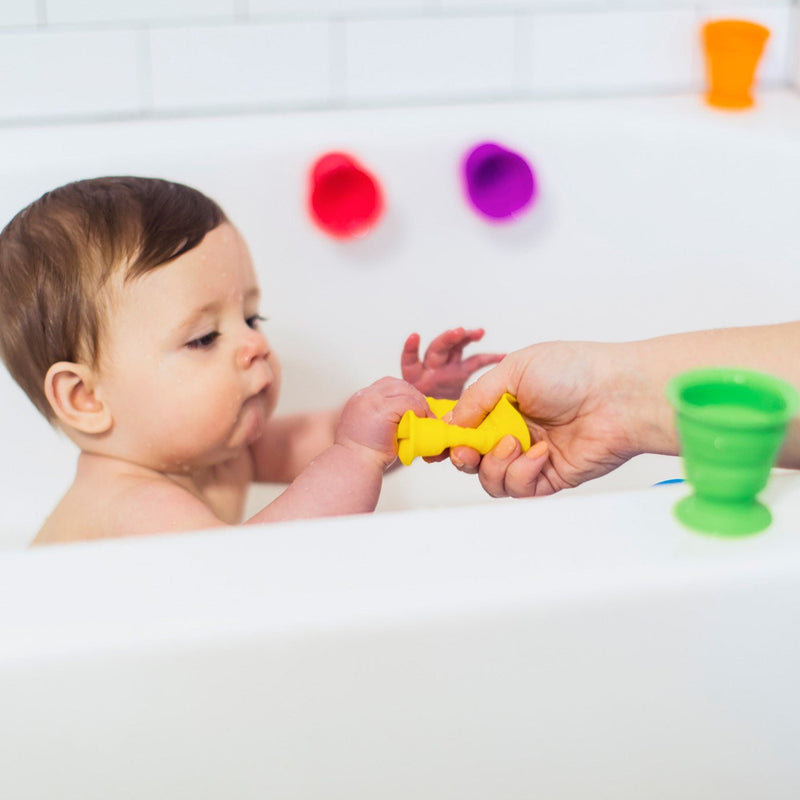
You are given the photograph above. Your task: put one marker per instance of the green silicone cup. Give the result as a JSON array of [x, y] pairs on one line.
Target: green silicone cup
[[731, 424]]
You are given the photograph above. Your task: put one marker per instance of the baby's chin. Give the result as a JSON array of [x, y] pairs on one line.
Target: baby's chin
[[219, 443], [253, 418], [212, 452]]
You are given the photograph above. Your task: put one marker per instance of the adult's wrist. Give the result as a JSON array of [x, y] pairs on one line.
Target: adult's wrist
[[651, 419]]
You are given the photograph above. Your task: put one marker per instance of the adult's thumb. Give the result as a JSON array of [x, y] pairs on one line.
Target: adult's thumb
[[481, 397]]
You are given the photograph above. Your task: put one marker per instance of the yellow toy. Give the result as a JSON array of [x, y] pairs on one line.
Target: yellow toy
[[429, 437]]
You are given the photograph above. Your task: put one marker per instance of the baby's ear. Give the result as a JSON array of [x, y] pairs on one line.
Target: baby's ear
[[71, 393]]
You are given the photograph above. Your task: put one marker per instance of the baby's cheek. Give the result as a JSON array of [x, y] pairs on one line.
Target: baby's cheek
[[208, 407]]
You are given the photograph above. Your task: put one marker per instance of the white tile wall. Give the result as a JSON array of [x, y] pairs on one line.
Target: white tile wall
[[18, 12], [794, 46], [340, 8], [430, 58], [240, 65], [90, 58], [610, 52], [81, 11], [72, 73], [528, 5]]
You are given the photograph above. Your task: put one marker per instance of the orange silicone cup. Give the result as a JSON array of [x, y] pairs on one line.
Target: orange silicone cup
[[733, 48]]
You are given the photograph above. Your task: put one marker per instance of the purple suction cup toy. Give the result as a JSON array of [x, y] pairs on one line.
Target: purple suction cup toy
[[500, 183]]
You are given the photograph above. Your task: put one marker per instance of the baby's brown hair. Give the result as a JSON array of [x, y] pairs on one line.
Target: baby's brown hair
[[57, 254]]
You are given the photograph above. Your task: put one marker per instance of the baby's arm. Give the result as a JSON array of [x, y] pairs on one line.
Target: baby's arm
[[289, 444], [346, 478]]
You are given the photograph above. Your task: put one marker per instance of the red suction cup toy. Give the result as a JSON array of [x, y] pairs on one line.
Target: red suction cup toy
[[346, 200]]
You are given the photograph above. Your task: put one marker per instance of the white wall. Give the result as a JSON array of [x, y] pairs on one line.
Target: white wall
[[794, 46], [106, 58]]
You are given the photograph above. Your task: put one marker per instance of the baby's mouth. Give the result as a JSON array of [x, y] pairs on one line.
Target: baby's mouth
[[260, 398], [254, 411], [261, 393]]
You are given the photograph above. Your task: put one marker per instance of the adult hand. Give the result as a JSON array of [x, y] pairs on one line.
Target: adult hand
[[582, 399]]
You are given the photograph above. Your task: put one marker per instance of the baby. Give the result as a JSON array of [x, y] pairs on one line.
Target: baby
[[129, 314]]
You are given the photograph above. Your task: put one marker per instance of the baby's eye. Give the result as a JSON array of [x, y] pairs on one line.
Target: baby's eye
[[202, 342], [254, 320]]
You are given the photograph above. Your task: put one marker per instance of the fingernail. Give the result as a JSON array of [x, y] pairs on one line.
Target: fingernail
[[539, 449], [506, 447], [457, 462]]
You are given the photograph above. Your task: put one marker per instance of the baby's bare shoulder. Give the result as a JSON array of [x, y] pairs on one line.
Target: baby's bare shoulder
[[157, 505], [125, 505]]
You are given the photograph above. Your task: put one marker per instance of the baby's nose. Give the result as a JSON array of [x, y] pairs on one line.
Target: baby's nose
[[253, 348]]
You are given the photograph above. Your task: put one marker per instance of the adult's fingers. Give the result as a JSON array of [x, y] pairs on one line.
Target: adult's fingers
[[495, 465], [465, 459], [481, 397], [522, 478], [501, 475]]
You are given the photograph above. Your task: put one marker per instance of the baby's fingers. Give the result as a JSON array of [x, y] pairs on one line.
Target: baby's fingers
[[440, 349], [435, 459], [481, 360], [410, 355], [472, 335], [409, 400]]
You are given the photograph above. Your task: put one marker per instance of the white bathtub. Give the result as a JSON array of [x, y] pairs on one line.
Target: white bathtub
[[579, 646]]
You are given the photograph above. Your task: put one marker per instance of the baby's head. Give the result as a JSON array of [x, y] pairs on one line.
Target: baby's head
[[57, 257], [97, 278]]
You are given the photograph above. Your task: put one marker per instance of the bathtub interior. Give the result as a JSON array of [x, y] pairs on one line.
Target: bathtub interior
[[649, 221]]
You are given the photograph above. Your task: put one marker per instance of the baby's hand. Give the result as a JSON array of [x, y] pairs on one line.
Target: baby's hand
[[443, 372], [370, 417]]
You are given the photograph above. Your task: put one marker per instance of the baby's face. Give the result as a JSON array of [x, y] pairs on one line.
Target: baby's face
[[188, 374]]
